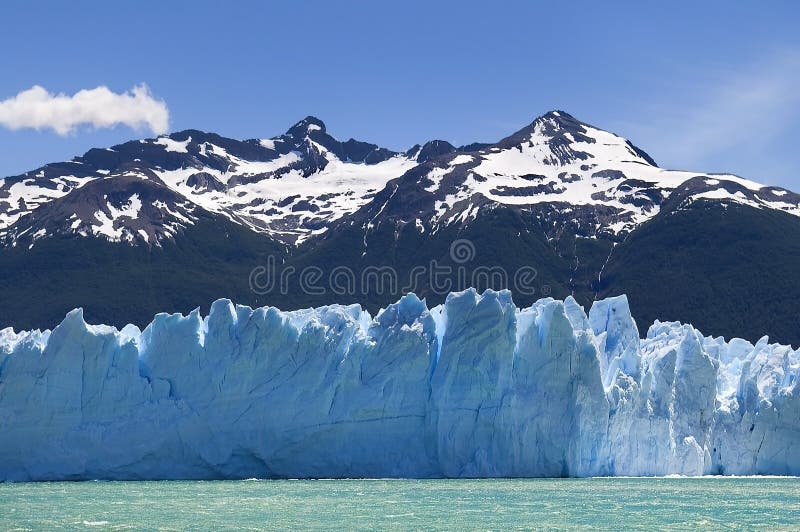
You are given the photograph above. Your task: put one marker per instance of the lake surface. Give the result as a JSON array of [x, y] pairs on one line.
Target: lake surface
[[676, 503]]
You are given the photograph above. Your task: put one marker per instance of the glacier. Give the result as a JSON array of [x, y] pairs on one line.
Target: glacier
[[473, 388]]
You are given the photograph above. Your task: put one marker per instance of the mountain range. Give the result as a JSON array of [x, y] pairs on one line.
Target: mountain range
[[175, 222]]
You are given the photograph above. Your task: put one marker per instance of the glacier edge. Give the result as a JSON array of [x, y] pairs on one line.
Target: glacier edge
[[474, 388]]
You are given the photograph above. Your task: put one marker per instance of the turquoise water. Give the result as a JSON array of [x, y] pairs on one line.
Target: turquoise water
[[677, 503]]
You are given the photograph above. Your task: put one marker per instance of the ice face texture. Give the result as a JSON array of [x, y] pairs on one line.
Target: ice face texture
[[475, 388]]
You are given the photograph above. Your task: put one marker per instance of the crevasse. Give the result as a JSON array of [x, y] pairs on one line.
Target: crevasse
[[475, 388]]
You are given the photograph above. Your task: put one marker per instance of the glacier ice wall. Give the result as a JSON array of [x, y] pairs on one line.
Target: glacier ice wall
[[474, 388]]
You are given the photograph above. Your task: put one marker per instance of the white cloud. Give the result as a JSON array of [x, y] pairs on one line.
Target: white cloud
[[36, 108], [722, 114]]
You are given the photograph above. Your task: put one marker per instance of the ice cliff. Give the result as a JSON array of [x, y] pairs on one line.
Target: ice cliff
[[474, 388]]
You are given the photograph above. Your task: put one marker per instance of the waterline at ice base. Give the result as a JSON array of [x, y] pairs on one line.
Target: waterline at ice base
[[474, 388]]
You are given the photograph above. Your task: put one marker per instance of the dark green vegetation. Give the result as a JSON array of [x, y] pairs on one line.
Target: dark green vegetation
[[729, 269], [499, 253], [121, 283]]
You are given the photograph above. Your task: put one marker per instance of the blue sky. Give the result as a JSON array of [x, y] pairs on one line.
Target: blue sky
[[708, 86]]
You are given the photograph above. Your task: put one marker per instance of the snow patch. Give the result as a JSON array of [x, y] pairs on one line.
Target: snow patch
[[176, 146]]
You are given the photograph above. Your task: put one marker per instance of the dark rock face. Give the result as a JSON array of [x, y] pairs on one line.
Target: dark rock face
[[430, 150], [205, 182], [609, 174], [548, 188]]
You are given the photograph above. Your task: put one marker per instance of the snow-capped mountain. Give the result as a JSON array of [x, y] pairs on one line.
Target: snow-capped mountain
[[562, 172], [567, 175], [289, 186], [174, 222], [124, 207]]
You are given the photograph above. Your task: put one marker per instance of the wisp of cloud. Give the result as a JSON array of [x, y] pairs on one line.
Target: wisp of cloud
[[36, 108], [725, 120]]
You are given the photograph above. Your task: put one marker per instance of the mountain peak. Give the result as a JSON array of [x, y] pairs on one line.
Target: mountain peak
[[307, 126], [557, 120], [567, 138], [557, 114], [431, 149]]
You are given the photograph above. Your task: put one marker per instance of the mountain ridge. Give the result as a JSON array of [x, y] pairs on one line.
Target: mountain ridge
[[292, 186], [588, 210]]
